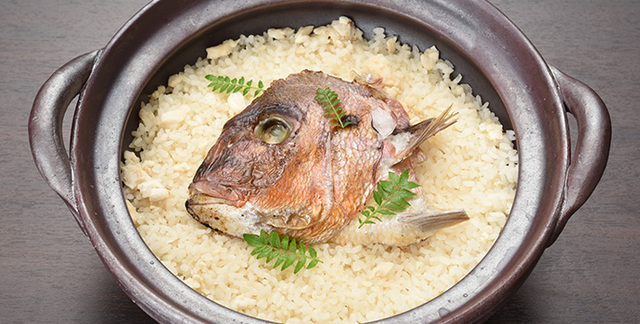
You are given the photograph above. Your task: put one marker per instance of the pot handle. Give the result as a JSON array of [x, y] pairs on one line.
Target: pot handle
[[45, 126], [592, 146]]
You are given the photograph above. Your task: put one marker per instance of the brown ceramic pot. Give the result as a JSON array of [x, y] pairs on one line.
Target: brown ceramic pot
[[493, 56]]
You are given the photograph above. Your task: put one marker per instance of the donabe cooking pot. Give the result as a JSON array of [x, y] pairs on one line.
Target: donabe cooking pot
[[493, 56]]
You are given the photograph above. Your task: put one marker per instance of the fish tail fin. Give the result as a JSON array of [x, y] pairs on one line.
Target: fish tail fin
[[434, 221], [402, 230]]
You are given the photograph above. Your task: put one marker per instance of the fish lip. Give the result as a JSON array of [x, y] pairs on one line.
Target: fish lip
[[203, 201], [200, 199], [207, 193]]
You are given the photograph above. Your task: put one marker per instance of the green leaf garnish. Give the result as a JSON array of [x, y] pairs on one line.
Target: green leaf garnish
[[331, 103], [390, 196], [285, 251], [228, 85]]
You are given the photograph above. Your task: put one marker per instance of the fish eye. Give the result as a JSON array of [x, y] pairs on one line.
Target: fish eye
[[273, 130]]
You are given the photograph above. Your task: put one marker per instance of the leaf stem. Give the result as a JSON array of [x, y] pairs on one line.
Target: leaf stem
[[228, 85], [390, 196], [285, 251], [331, 103]]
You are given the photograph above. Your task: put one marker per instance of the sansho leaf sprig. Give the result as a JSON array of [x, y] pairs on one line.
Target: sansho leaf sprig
[[390, 196], [285, 251], [331, 103], [228, 85]]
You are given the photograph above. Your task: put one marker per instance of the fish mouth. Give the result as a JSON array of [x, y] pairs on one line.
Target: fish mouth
[[199, 205], [200, 199], [220, 214], [208, 193], [198, 202]]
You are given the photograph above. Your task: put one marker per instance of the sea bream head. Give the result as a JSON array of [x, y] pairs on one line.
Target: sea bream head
[[282, 164]]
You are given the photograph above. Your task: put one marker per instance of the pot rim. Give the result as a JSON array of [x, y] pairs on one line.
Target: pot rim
[[538, 199]]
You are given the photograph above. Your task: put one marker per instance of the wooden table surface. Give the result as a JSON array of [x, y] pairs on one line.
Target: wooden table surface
[[49, 272]]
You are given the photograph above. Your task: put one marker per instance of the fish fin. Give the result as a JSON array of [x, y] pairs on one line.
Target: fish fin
[[421, 131], [435, 220], [401, 230]]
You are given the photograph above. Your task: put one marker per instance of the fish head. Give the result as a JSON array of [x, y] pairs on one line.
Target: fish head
[[263, 156]]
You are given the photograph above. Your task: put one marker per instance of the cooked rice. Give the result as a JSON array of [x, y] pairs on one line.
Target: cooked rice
[[472, 165]]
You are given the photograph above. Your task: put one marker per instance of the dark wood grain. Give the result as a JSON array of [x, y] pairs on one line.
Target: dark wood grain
[[51, 274]]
